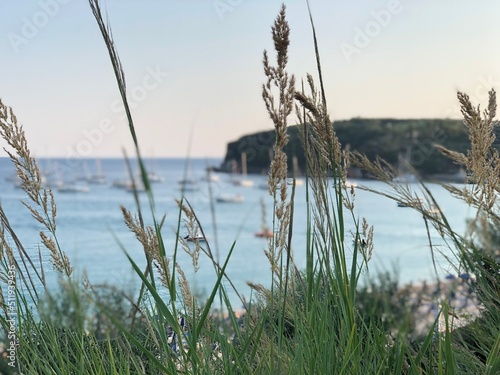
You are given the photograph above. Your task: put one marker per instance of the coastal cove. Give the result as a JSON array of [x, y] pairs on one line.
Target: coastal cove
[[400, 142], [351, 227], [89, 221]]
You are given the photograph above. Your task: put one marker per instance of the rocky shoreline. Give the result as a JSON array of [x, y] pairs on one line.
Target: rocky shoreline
[[426, 301]]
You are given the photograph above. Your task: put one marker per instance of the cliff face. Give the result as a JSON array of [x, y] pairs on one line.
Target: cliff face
[[389, 139]]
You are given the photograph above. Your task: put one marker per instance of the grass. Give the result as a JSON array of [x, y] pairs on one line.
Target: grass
[[320, 320]]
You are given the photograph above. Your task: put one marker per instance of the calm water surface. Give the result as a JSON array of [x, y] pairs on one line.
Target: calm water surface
[[91, 229]]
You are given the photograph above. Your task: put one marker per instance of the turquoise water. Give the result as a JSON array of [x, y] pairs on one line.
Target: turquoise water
[[89, 225]]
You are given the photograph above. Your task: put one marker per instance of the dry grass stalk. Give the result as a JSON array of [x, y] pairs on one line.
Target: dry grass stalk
[[187, 295], [149, 240], [191, 224], [31, 182], [324, 154], [482, 160], [61, 264], [141, 233], [5, 248], [399, 192], [482, 163], [366, 247], [163, 272], [325, 158], [322, 140], [279, 109], [25, 164], [27, 169]]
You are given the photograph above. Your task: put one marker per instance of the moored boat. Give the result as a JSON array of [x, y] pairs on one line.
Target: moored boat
[[414, 203], [195, 238], [265, 234], [72, 188], [230, 198]]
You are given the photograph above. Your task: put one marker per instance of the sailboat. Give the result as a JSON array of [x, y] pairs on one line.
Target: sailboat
[[243, 181], [210, 176], [404, 175], [195, 238], [84, 176], [135, 186], [98, 178], [188, 182], [62, 187], [69, 187], [265, 232], [154, 177], [230, 198]]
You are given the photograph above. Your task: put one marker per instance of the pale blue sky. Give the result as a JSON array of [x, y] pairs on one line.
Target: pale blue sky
[[198, 63]]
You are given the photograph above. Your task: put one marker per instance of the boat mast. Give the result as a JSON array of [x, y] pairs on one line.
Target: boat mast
[[244, 163]]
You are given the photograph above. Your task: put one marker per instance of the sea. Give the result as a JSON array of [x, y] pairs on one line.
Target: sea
[[92, 232]]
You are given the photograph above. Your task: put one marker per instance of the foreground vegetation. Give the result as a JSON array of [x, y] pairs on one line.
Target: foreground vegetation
[[313, 321]]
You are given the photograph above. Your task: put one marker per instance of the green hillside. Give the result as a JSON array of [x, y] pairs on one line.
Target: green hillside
[[388, 138]]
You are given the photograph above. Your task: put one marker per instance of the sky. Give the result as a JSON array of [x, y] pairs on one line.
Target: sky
[[194, 67]]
